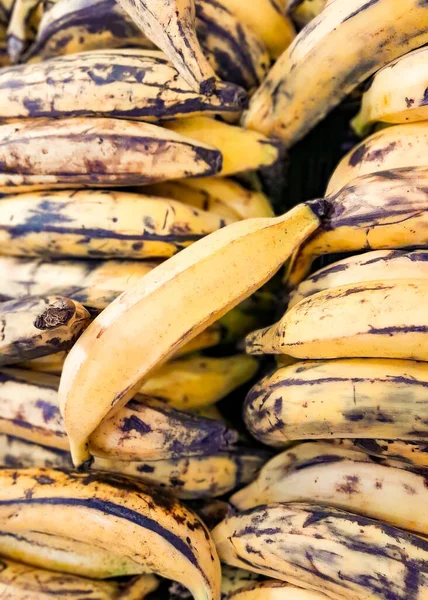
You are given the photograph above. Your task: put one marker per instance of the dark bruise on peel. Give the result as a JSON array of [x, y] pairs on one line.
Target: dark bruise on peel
[[362, 8]]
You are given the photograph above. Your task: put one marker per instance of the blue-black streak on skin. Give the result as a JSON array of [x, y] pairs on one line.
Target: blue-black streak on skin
[[6, 376], [209, 436], [237, 64], [360, 10], [392, 551], [96, 169], [27, 349], [119, 512], [228, 99]]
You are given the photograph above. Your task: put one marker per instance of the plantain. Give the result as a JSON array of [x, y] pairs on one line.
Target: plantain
[[98, 152], [93, 283], [326, 550], [410, 453], [165, 314], [374, 212], [396, 94], [216, 194], [22, 26], [233, 50], [99, 224], [171, 26], [145, 429], [128, 84], [397, 147], [36, 326], [267, 20], [391, 323], [304, 11], [273, 589], [310, 79], [20, 582], [385, 265], [355, 484], [197, 381], [242, 150], [330, 399], [154, 530], [188, 478]]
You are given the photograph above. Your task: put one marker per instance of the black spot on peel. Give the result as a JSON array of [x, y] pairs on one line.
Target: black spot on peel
[[145, 468], [50, 411], [44, 480], [357, 155], [133, 423]]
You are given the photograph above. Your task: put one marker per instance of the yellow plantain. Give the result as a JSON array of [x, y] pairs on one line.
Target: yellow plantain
[[267, 21], [242, 150], [379, 265], [374, 212], [145, 429], [395, 147], [20, 582], [378, 319], [275, 590], [198, 381], [216, 194], [36, 326], [331, 399], [129, 84], [98, 152], [326, 550], [390, 494], [396, 94], [189, 478], [310, 79], [155, 531], [405, 452], [92, 283], [151, 321], [22, 26], [171, 26], [100, 224]]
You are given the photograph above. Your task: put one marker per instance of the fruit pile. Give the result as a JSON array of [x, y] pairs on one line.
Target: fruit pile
[[161, 436]]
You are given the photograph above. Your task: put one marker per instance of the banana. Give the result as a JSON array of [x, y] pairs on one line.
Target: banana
[[165, 314], [22, 26], [395, 147], [63, 555], [275, 590], [38, 326], [216, 194], [385, 319], [309, 79], [96, 152], [129, 84], [189, 478], [267, 21], [155, 531], [227, 330], [72, 26], [233, 50], [242, 150], [374, 212], [145, 429], [234, 580], [197, 381], [100, 224], [171, 26], [396, 94], [326, 550], [414, 454], [304, 11], [378, 265], [6, 7], [350, 398], [20, 582], [390, 494], [92, 283], [192, 478]]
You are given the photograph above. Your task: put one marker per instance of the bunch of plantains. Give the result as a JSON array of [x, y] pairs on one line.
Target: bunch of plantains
[[142, 269]]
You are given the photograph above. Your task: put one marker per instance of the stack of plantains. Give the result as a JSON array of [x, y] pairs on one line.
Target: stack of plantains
[[136, 254]]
